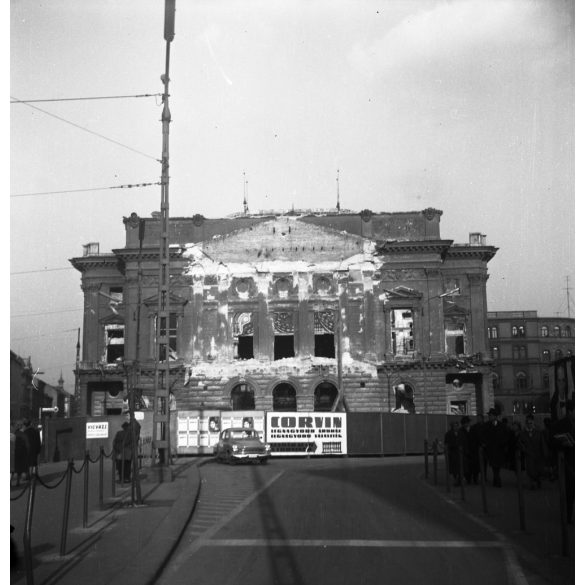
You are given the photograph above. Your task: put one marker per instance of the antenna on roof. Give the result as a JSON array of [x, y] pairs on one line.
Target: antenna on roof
[[245, 194], [338, 207]]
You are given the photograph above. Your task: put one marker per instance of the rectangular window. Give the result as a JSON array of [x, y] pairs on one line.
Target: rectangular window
[[284, 346], [171, 333], [324, 328], [402, 331], [458, 407], [243, 335], [114, 342], [455, 338], [245, 347]]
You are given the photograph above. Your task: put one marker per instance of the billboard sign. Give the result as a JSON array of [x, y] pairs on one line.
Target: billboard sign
[[307, 433], [96, 430]]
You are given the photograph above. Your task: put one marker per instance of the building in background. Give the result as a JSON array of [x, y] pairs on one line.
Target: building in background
[[29, 393], [307, 310], [523, 347]]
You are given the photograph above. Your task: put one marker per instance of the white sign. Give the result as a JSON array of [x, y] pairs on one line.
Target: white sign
[[312, 433], [96, 430]]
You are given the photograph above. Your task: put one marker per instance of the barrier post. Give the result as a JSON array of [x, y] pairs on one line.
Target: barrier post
[[66, 508], [563, 496], [482, 479], [426, 459], [85, 488], [519, 482], [435, 462], [113, 474], [461, 475], [26, 540], [101, 477]]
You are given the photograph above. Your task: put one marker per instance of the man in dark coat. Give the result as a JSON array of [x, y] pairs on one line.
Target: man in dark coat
[[33, 439], [496, 442], [123, 451]]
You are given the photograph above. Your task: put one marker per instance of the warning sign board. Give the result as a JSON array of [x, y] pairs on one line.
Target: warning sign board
[[96, 430]]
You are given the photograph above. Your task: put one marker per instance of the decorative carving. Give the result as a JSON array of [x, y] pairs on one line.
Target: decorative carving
[[325, 321], [198, 220], [283, 287], [366, 215], [402, 274], [283, 323], [322, 285], [430, 213], [242, 324], [133, 221]]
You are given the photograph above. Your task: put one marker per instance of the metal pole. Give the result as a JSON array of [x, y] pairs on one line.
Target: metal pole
[[85, 489], [521, 508], [426, 459], [447, 477], [435, 462], [482, 479], [28, 528], [66, 508], [461, 477], [101, 492]]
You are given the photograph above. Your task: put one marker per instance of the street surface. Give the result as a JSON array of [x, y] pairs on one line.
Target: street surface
[[331, 521]]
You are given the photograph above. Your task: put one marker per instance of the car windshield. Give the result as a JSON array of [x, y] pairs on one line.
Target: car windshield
[[243, 434]]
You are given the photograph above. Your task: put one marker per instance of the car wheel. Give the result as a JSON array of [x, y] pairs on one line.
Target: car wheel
[[263, 461]]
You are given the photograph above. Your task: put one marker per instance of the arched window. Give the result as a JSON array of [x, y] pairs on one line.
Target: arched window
[[325, 395], [557, 331], [544, 331], [514, 331], [545, 381], [521, 331], [515, 352], [566, 331], [521, 383], [558, 354], [495, 352], [492, 332], [546, 355], [284, 398], [522, 352], [242, 397]]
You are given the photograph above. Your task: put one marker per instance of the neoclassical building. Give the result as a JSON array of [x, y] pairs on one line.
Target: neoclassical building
[[298, 311]]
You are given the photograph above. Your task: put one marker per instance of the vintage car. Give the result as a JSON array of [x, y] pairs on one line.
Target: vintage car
[[239, 444]]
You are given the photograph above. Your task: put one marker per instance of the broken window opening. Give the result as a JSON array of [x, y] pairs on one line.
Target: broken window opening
[[284, 346], [114, 340], [243, 334], [325, 395], [324, 328], [455, 339], [402, 331], [404, 394], [171, 334], [325, 345], [284, 398], [105, 398], [242, 397]]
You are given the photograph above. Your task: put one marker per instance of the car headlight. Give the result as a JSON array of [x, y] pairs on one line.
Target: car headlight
[[235, 448], [267, 447]]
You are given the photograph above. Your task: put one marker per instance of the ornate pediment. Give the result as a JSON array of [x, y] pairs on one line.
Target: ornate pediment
[[174, 301], [453, 311]]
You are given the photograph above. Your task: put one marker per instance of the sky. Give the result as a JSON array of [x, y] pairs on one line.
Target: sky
[[466, 106]]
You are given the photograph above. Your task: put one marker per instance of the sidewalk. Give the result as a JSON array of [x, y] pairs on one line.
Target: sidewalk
[[123, 544], [538, 547]]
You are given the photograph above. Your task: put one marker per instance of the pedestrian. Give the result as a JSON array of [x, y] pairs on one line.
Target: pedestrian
[[496, 443], [452, 444], [476, 442], [33, 445], [123, 452], [20, 453], [513, 445], [466, 443], [564, 442], [532, 443]]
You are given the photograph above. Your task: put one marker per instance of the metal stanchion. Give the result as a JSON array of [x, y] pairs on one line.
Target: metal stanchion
[[482, 479], [101, 476], [426, 459], [447, 476], [435, 462], [563, 496], [85, 488], [519, 482], [66, 508], [26, 540], [113, 474]]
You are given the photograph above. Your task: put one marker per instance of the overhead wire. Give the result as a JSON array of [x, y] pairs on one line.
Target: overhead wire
[[106, 97], [85, 190], [90, 131], [41, 270], [45, 313]]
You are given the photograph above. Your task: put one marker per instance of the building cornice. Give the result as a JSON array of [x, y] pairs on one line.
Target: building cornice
[[482, 253], [389, 248]]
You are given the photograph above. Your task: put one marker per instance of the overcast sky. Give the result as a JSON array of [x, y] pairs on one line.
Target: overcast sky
[[463, 105]]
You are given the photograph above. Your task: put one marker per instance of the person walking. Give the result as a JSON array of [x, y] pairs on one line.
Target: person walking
[[123, 451], [452, 444], [466, 443], [532, 443], [33, 440], [496, 442]]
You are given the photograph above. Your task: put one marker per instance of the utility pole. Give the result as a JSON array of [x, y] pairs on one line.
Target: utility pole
[[77, 391], [568, 299], [161, 413]]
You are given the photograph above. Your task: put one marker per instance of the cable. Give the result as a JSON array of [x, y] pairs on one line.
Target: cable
[[83, 190], [45, 313], [43, 335], [107, 97], [90, 131], [43, 270]]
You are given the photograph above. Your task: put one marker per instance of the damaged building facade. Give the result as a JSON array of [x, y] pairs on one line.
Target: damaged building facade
[[299, 311]]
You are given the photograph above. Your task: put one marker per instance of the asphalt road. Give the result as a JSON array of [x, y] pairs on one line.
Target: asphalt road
[[331, 521]]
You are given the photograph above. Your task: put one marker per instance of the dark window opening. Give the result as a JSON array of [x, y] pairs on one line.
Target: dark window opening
[[284, 398], [171, 334], [284, 346], [455, 344], [245, 347], [105, 398], [243, 398], [114, 343], [325, 345], [325, 395], [404, 394]]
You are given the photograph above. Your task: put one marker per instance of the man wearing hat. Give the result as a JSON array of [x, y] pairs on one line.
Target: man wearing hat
[[496, 443]]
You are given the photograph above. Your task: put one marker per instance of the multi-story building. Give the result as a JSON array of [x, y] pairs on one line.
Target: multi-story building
[[523, 345], [305, 310]]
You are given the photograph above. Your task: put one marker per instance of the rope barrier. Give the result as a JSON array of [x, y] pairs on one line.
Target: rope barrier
[[52, 487], [93, 460], [19, 495], [81, 468]]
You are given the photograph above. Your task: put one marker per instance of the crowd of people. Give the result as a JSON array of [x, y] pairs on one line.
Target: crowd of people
[[527, 448], [25, 448]]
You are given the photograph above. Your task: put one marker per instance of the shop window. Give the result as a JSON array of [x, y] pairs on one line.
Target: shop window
[[544, 331], [243, 335], [114, 341], [324, 330], [402, 331], [454, 338], [284, 398]]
